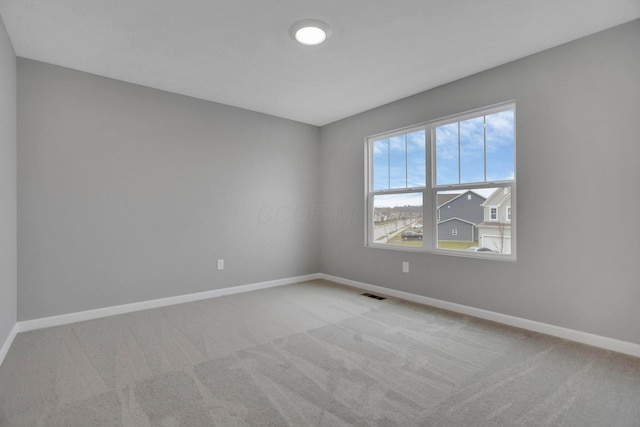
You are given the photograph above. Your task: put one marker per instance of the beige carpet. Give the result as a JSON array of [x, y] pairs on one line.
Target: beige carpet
[[311, 354]]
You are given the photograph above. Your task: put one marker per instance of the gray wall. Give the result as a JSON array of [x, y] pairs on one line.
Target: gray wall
[[8, 289], [578, 147], [128, 194]]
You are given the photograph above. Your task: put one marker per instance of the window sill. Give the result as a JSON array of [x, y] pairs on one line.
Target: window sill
[[446, 252]]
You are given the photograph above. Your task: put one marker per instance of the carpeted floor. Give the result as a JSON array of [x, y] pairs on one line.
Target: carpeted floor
[[311, 354]]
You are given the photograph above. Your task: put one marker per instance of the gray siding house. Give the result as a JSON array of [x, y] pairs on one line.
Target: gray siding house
[[456, 229], [458, 215]]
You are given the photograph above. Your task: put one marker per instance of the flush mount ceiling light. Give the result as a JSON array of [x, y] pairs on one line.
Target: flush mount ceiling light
[[310, 32]]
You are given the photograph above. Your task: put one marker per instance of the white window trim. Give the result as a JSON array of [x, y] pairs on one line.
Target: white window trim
[[429, 206], [508, 213]]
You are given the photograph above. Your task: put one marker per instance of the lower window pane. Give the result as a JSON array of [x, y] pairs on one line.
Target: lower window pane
[[397, 219], [477, 220]]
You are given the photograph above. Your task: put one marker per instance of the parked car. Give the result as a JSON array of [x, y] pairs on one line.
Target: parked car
[[480, 249], [416, 225], [407, 235]]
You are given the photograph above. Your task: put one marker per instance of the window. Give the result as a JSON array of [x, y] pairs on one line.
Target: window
[[493, 213], [446, 186]]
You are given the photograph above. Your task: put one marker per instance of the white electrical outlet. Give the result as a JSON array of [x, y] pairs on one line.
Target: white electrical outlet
[[220, 264], [405, 267]]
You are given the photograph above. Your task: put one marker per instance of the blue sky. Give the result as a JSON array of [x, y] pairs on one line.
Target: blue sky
[[460, 150], [399, 161]]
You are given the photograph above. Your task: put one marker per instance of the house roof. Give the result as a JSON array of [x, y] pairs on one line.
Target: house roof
[[455, 218], [497, 198], [444, 198], [447, 199]]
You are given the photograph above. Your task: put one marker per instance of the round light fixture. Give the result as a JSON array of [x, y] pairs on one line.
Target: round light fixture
[[310, 32]]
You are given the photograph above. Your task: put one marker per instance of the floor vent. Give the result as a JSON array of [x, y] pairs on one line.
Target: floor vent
[[373, 296]]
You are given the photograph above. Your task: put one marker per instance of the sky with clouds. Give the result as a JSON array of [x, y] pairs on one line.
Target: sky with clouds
[[461, 148]]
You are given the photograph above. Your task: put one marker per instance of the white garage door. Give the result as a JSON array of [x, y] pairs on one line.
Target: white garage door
[[501, 244]]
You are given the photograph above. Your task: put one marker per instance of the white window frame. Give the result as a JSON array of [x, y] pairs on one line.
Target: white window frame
[[429, 192], [508, 214]]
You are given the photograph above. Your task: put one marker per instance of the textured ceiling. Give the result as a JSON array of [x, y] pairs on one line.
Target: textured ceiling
[[238, 52]]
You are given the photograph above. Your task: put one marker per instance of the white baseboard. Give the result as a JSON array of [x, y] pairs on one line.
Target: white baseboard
[[7, 343], [612, 344], [64, 319]]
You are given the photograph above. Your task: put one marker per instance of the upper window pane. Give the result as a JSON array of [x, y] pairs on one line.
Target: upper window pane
[[476, 150], [400, 161]]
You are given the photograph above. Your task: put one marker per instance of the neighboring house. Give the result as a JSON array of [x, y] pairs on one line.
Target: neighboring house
[[456, 229], [444, 198], [408, 213], [495, 231], [381, 215], [458, 215]]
